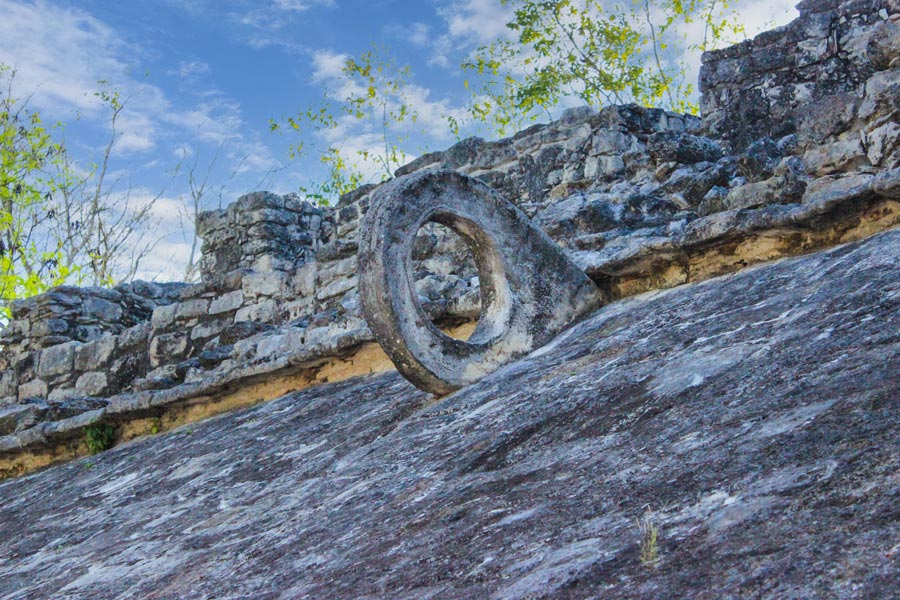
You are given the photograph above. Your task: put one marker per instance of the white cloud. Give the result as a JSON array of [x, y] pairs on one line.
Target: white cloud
[[419, 34], [60, 54], [328, 65], [193, 68], [478, 21], [300, 5]]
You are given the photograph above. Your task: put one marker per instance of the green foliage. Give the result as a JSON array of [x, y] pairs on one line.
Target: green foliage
[[371, 93], [29, 264], [599, 54], [99, 437], [59, 221]]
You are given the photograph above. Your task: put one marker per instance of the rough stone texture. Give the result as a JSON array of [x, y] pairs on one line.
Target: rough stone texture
[[754, 418], [530, 290], [802, 72], [638, 198]]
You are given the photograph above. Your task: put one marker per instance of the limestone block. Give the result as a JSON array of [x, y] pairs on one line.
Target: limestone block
[[883, 48], [266, 215], [882, 95], [261, 311], [530, 290], [95, 354], [226, 302], [336, 288], [284, 343], [346, 229], [8, 383], [611, 141], [36, 388], [682, 148], [208, 329], [92, 383], [18, 417], [837, 156], [210, 221], [102, 309], [749, 195], [303, 283], [330, 271], [49, 327], [271, 283], [163, 316], [192, 308], [295, 309], [881, 143], [57, 360], [62, 393], [268, 262], [135, 336], [825, 118], [828, 191], [887, 183], [168, 348]]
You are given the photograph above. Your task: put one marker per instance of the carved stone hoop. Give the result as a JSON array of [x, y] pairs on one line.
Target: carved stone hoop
[[530, 290]]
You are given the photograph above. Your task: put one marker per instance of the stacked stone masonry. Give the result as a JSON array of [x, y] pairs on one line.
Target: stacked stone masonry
[[799, 138]]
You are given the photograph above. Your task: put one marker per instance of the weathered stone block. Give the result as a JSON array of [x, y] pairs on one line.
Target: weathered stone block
[[682, 148], [95, 354], [826, 191], [283, 343], [336, 287], [840, 155], [47, 327], [270, 262], [226, 302], [163, 316], [303, 283], [135, 336], [92, 383], [887, 183], [57, 360], [881, 143], [18, 417], [36, 388], [191, 308], [9, 383], [208, 329], [62, 393], [883, 48], [330, 271], [261, 311], [168, 348], [102, 309], [271, 284], [210, 221]]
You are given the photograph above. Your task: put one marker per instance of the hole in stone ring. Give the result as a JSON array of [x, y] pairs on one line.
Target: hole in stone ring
[[446, 280]]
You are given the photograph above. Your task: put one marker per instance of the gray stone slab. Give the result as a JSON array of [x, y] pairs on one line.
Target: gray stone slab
[[753, 418]]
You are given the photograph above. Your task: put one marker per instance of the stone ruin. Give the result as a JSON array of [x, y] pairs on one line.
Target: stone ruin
[[798, 149], [529, 289]]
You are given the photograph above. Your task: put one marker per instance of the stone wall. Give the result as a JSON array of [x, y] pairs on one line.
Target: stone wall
[[766, 86], [639, 198]]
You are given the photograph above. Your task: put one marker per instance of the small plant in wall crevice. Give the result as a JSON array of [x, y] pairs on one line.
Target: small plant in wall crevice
[[649, 540], [99, 437]]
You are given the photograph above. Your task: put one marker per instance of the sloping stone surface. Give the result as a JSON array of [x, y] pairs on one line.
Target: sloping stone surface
[[755, 418]]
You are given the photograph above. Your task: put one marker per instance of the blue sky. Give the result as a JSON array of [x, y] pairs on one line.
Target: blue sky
[[203, 76]]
